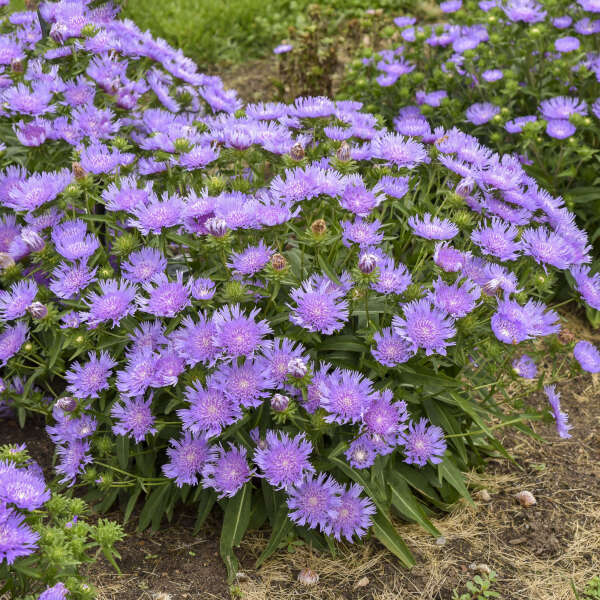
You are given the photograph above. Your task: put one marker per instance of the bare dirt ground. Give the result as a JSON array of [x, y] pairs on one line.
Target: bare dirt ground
[[538, 552]]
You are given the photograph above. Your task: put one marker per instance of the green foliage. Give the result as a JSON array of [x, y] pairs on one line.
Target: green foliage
[[479, 588]]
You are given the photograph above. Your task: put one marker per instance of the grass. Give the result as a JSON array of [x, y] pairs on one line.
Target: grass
[[217, 31]]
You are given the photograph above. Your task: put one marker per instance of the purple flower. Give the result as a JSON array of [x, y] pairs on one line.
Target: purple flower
[[73, 457], [16, 537], [284, 460], [11, 340], [363, 233], [202, 288], [432, 228], [356, 198], [361, 453], [187, 457], [148, 336], [85, 381], [127, 195], [346, 395], [481, 112], [516, 125], [456, 299], [278, 356], [33, 133], [562, 22], [392, 279], [587, 356], [56, 592], [98, 158], [282, 49], [492, 75], [352, 516], [561, 418], [425, 326], [166, 298], [391, 349], [422, 443], [384, 419], [23, 488], [227, 471], [15, 302], [72, 241], [450, 6], [318, 307], [546, 247], [156, 215], [210, 410], [247, 384], [525, 367], [313, 392], [195, 341], [139, 373], [251, 260], [401, 151], [237, 334], [38, 189], [114, 302], [528, 11], [567, 44], [25, 100], [448, 258], [396, 187], [588, 286], [513, 323], [70, 279], [134, 418], [562, 107], [560, 129], [314, 501], [143, 265], [497, 239]]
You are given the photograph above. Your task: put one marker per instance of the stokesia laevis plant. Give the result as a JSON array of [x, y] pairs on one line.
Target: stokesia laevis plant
[[521, 75], [314, 339], [44, 538]]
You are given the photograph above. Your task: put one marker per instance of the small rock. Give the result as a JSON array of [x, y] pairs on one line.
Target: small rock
[[308, 577], [361, 583], [526, 498], [517, 541], [481, 568], [161, 596], [484, 495], [441, 541], [241, 576]]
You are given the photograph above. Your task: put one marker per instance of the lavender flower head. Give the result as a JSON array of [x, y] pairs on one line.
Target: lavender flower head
[[525, 367], [88, 379], [432, 228], [588, 356], [16, 537], [422, 443], [391, 349], [237, 334], [134, 418], [314, 501], [187, 457], [227, 471], [352, 516], [561, 418]]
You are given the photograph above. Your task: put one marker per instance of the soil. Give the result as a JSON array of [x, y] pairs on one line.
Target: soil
[[538, 552]]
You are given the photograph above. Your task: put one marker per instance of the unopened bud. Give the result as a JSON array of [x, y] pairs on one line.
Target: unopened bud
[[297, 368], [278, 262], [16, 65], [343, 152], [308, 577], [37, 310], [319, 227], [78, 171], [297, 151], [465, 187], [58, 32], [33, 239], [367, 263], [216, 226], [279, 402], [6, 260], [66, 403]]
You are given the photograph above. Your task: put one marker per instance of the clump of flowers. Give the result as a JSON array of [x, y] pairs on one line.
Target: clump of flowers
[[283, 309], [44, 539], [524, 77]]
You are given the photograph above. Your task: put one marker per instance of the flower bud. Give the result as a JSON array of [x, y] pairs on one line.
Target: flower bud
[[78, 171], [16, 65], [6, 260], [58, 32], [66, 403], [308, 577], [343, 152], [319, 227], [297, 151], [367, 263], [37, 310], [216, 226], [278, 262], [33, 239], [297, 368], [465, 187], [182, 145], [279, 402]]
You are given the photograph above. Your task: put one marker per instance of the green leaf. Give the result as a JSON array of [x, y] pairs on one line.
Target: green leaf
[[131, 504], [384, 531], [328, 270], [207, 501], [156, 503], [123, 451], [281, 525], [407, 505], [235, 523], [108, 500], [448, 471]]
